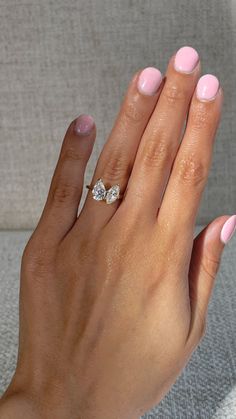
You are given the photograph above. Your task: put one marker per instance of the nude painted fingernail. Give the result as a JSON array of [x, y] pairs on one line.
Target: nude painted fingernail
[[207, 87], [84, 125], [149, 81], [228, 229], [186, 59]]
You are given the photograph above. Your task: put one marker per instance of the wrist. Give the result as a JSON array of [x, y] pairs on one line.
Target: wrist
[[26, 404], [17, 406], [24, 401], [31, 401]]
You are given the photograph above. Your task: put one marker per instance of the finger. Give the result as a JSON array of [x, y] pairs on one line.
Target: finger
[[177, 214], [162, 135], [205, 261], [116, 159], [60, 211]]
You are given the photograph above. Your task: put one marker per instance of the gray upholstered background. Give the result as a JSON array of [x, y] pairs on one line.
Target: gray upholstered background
[[60, 58]]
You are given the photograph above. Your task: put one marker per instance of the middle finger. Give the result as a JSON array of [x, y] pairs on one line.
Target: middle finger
[[161, 137]]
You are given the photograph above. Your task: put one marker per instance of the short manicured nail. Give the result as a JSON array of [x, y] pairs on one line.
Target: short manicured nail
[[207, 87], [186, 59], [84, 124], [228, 229], [149, 81]]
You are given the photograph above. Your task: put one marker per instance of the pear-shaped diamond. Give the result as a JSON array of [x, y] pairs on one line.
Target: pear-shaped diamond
[[99, 190], [112, 194]]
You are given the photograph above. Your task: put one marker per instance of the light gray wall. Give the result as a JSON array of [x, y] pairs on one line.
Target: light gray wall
[[60, 58]]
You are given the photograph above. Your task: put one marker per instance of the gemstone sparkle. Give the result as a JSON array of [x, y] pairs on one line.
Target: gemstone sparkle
[[112, 194], [99, 190]]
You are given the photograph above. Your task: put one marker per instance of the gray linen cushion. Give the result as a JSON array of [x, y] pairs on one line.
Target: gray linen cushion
[[60, 58], [207, 387]]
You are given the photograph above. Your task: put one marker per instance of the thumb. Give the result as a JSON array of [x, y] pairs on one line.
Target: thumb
[[205, 261]]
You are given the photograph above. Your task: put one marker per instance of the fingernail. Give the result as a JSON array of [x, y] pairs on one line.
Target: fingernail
[[149, 81], [207, 87], [186, 59], [84, 124], [228, 229]]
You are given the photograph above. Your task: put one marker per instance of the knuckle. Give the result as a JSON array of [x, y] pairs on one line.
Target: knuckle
[[29, 249], [117, 167], [36, 266], [192, 171], [132, 113], [72, 154], [36, 259], [210, 266], [199, 116], [173, 93], [64, 192], [156, 151]]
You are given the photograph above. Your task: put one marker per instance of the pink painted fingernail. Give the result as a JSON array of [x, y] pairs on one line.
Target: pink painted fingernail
[[149, 81], [207, 87], [228, 229], [84, 124], [186, 59]]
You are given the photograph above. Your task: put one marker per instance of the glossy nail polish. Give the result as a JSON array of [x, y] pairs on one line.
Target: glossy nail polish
[[207, 87], [149, 81], [228, 229], [186, 59], [84, 125]]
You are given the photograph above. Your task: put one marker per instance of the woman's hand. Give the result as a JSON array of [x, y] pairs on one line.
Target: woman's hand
[[114, 301]]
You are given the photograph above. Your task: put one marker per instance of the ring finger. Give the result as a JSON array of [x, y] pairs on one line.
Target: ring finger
[[190, 169]]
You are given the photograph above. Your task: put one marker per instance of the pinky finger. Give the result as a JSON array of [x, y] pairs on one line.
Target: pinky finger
[[205, 261]]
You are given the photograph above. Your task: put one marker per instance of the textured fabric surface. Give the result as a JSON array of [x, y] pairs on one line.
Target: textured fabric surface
[[207, 387], [60, 58]]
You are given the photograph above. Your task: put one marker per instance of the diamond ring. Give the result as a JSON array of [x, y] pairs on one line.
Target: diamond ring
[[100, 193]]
